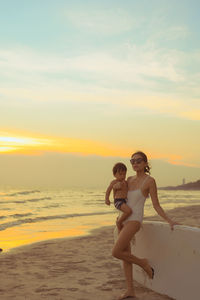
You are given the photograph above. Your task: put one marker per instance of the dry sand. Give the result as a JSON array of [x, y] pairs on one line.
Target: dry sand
[[78, 268]]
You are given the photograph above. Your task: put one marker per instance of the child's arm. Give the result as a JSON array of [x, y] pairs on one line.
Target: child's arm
[[108, 191]]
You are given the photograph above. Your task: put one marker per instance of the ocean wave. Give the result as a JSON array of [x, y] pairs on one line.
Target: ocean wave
[[52, 206], [20, 215], [26, 200], [6, 225], [180, 201], [21, 193], [38, 199]]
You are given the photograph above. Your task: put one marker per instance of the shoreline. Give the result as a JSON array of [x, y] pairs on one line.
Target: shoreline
[[79, 268], [185, 215], [191, 219]]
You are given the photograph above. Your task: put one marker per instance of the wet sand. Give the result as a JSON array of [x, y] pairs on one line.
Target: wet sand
[[80, 268]]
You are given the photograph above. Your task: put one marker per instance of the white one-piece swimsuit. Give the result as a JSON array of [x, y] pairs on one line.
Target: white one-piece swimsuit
[[136, 201]]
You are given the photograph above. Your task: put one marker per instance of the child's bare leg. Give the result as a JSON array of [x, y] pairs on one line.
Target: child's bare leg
[[127, 211]]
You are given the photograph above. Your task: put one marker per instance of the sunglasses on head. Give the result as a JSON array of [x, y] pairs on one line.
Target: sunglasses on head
[[136, 160]]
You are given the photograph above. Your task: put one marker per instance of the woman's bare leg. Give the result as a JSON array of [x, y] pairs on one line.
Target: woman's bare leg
[[122, 243], [128, 272]]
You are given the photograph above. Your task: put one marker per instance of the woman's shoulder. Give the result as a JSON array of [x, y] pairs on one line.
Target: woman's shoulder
[[150, 177], [130, 178], [151, 180]]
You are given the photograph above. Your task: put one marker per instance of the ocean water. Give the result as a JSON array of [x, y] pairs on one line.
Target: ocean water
[[31, 215]]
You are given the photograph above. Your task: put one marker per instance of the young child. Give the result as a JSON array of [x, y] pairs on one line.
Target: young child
[[120, 189]]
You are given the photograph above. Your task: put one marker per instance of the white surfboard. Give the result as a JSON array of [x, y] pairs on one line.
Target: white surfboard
[[175, 257]]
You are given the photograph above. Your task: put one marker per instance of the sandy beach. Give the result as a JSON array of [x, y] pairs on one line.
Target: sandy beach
[[80, 268]]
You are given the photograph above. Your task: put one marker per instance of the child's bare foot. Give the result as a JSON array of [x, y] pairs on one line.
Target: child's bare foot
[[148, 269], [127, 294]]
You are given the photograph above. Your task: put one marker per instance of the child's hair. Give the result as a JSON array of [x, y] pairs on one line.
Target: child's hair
[[119, 167]]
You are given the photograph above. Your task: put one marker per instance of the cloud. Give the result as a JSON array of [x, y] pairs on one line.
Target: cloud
[[139, 67], [143, 102], [27, 144], [191, 114], [21, 144], [167, 34], [176, 33], [152, 79], [136, 63], [102, 21]]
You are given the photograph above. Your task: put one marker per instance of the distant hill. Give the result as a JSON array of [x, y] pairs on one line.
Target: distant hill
[[188, 186]]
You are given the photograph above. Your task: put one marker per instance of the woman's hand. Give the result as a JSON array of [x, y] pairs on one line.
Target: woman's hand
[[172, 224]]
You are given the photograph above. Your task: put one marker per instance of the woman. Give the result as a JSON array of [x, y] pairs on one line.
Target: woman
[[139, 187]]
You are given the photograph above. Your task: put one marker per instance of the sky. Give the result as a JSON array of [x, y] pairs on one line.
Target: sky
[[84, 84]]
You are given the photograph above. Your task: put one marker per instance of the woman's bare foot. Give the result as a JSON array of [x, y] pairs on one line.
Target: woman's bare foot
[[127, 294], [148, 269]]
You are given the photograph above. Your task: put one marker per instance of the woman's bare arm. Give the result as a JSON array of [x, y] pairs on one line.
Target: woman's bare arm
[[156, 204]]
